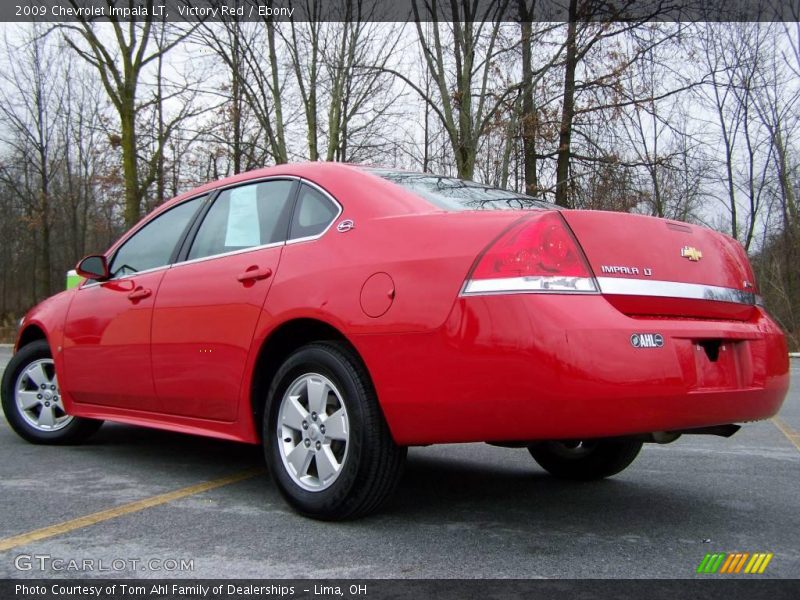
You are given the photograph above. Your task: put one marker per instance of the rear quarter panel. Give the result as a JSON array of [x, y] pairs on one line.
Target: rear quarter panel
[[427, 257]]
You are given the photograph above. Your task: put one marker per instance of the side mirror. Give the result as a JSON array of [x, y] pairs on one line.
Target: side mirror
[[93, 267]]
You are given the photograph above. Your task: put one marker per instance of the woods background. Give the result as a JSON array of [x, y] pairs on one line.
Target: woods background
[[101, 122]]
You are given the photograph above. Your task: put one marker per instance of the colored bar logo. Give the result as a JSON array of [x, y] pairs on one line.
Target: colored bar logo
[[734, 562]]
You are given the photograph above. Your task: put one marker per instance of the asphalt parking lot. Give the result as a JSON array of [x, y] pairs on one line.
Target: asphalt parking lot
[[461, 511]]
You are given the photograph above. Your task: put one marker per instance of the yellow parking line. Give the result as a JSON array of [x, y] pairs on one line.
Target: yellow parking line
[[790, 433], [118, 511]]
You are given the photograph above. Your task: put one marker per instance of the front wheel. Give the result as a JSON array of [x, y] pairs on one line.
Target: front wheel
[[32, 400], [585, 460], [326, 442]]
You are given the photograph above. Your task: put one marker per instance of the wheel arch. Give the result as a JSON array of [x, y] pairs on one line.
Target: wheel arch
[[277, 346], [31, 333]]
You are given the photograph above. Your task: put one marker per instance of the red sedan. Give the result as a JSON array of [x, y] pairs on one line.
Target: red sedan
[[338, 314]]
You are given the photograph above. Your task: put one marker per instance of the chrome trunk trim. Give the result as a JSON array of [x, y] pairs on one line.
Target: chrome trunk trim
[[674, 289]]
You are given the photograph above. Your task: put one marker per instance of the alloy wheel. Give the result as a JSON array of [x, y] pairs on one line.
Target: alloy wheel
[[38, 397], [314, 432]]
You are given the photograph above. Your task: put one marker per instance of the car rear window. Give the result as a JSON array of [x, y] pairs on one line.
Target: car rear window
[[450, 193]]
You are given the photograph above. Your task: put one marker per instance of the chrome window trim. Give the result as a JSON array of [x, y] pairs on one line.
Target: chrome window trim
[[187, 262], [264, 179], [286, 242], [325, 193], [216, 192], [674, 289], [530, 285], [230, 253], [124, 278]]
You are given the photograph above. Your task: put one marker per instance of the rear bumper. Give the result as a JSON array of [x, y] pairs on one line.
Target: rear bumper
[[538, 366]]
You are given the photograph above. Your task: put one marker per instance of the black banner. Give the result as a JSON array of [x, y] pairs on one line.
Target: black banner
[[398, 10], [384, 589]]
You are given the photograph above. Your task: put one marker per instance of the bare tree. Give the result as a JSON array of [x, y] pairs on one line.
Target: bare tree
[[120, 63], [776, 106], [738, 93], [243, 48], [591, 26], [658, 136], [30, 104], [364, 102], [460, 57], [53, 153], [532, 37], [329, 73]]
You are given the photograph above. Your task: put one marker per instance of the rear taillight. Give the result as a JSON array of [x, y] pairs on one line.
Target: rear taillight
[[537, 254]]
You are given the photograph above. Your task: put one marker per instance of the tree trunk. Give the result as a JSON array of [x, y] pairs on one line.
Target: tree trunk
[[279, 150], [44, 274], [236, 105], [160, 166], [528, 109], [567, 111], [130, 168]]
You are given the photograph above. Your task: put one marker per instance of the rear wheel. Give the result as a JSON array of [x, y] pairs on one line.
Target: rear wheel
[[585, 460], [32, 400], [326, 442]]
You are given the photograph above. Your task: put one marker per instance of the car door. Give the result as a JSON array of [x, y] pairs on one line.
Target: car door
[[107, 331], [208, 305]]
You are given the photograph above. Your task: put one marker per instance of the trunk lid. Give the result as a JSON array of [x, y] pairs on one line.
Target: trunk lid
[[647, 266]]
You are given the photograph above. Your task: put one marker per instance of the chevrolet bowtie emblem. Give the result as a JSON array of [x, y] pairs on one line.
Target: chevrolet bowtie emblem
[[693, 254]]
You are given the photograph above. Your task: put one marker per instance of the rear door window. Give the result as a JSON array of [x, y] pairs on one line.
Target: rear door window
[[244, 217]]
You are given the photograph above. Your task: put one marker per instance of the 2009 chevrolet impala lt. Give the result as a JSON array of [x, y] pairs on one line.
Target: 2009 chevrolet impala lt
[[338, 314]]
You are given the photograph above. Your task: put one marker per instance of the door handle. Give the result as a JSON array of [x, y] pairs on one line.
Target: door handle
[[139, 293], [254, 274]]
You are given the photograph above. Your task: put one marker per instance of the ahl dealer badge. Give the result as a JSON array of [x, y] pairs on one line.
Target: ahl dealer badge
[[647, 340]]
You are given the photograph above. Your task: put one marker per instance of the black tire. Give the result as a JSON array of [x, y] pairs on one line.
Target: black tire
[[585, 460], [73, 432], [370, 462]]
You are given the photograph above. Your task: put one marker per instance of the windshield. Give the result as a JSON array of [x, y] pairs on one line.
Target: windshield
[[453, 194]]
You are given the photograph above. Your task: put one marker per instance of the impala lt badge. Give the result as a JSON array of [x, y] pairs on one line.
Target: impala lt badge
[[693, 254], [647, 340], [622, 270]]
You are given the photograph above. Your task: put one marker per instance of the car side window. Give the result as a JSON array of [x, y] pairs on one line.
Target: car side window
[[152, 246], [314, 212], [244, 217]]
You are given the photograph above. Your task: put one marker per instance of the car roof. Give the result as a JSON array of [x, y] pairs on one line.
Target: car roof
[[348, 181], [305, 169]]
